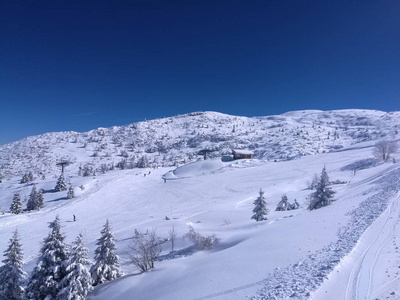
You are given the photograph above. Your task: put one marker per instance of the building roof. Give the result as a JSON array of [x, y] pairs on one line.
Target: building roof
[[243, 151]]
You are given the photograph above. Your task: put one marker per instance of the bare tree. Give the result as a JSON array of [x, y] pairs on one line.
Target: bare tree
[[172, 236], [383, 149], [201, 242], [145, 249]]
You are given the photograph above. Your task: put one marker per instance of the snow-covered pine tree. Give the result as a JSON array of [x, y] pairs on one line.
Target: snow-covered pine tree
[[260, 210], [77, 283], [16, 205], [323, 194], [314, 182], [87, 171], [12, 273], [61, 184], [70, 193], [51, 265], [40, 199], [143, 162], [32, 203], [283, 204], [25, 178], [106, 267]]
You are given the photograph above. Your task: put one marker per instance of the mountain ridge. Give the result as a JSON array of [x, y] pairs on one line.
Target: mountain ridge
[[178, 139]]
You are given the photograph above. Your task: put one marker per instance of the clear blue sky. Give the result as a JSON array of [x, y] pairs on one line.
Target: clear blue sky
[[67, 65]]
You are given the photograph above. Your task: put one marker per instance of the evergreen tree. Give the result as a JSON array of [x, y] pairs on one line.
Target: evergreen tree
[[106, 267], [40, 199], [260, 210], [283, 204], [32, 203], [87, 171], [51, 265], [16, 205], [12, 273], [323, 194], [78, 281], [25, 178], [143, 162], [61, 184], [314, 182], [70, 193]]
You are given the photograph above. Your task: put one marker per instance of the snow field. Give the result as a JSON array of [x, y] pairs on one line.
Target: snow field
[[249, 258]]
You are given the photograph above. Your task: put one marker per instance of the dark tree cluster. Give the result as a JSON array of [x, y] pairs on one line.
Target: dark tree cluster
[[61, 272], [27, 177], [35, 201]]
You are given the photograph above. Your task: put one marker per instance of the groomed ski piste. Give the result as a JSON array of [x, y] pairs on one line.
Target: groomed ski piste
[[348, 250]]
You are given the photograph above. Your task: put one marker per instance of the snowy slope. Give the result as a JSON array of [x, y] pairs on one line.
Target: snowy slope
[[177, 140], [290, 254], [348, 250]]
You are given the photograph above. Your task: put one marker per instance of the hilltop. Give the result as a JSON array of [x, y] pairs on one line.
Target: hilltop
[[177, 140]]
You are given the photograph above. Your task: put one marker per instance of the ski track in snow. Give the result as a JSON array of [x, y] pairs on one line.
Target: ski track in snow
[[299, 280], [361, 277]]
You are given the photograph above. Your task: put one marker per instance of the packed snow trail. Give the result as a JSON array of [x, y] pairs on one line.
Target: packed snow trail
[[360, 285], [301, 279], [359, 272]]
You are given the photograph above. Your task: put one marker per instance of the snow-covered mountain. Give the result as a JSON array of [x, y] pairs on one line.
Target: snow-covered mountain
[[346, 250], [177, 140]]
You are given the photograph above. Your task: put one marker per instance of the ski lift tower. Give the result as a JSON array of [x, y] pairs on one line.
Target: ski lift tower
[[63, 163]]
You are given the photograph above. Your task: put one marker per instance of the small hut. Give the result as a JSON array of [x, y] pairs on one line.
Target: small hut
[[242, 154]]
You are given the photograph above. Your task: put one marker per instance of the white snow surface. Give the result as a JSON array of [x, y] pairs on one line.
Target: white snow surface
[[177, 140], [348, 250], [201, 167]]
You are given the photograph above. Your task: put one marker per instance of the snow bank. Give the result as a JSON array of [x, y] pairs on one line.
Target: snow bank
[[201, 167], [298, 280]]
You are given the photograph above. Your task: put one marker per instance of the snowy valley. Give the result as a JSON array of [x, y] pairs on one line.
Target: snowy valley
[[150, 176]]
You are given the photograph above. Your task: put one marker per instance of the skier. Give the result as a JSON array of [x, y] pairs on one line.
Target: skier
[[74, 218]]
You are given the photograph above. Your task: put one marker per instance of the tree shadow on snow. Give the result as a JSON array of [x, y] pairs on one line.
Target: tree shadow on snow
[[226, 245], [105, 286], [178, 254], [58, 199]]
